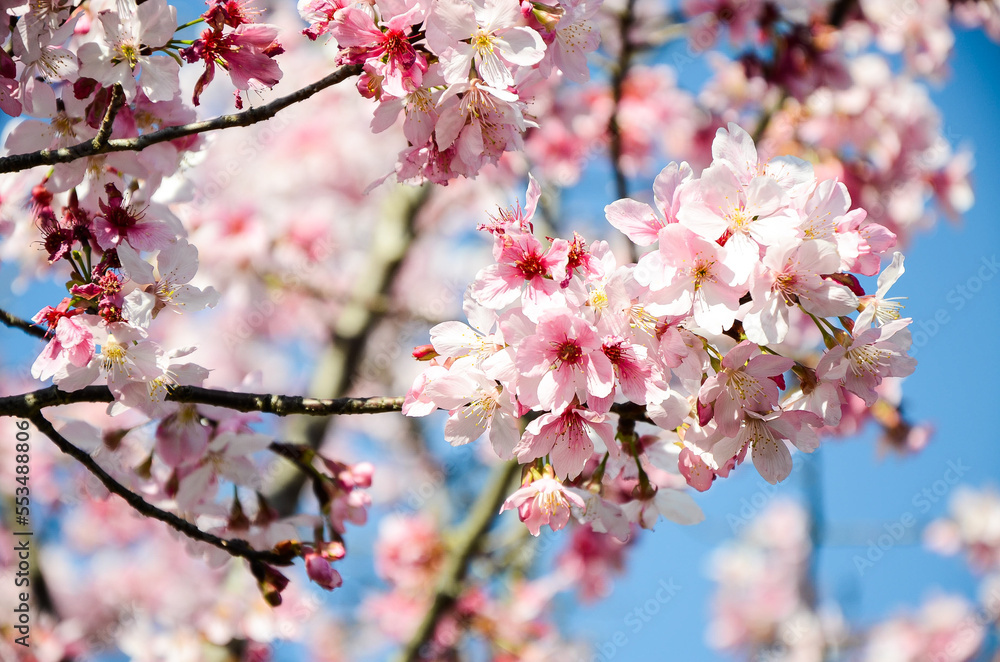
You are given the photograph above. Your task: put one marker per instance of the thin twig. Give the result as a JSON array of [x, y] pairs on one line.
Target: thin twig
[[15, 322], [625, 21], [620, 73], [107, 124], [18, 162], [841, 11], [233, 546], [468, 542]]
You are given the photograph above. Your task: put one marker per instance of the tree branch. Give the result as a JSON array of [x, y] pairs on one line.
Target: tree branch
[[107, 124], [234, 546], [468, 543], [15, 322], [620, 73], [18, 162], [27, 405]]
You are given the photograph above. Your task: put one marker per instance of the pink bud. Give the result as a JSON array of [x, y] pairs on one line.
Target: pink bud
[[424, 352], [321, 572], [362, 473], [334, 550]]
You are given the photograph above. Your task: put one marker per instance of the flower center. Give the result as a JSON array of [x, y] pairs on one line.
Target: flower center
[[482, 41], [745, 387], [702, 271], [115, 357], [530, 265], [866, 359], [569, 352]]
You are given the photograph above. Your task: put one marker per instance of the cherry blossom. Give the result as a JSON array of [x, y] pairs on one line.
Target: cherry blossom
[[495, 40], [543, 501], [876, 353], [119, 54]]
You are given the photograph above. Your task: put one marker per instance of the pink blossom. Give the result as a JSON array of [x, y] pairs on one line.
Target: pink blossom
[[690, 274], [122, 221], [522, 264], [562, 361], [119, 54], [564, 438], [637, 220], [320, 14], [480, 121], [165, 286], [792, 273], [878, 308], [227, 456], [322, 572], [246, 52], [575, 38], [674, 505], [734, 148], [182, 437], [385, 47], [695, 470], [478, 406], [125, 356], [764, 434], [745, 216], [484, 33], [862, 243], [72, 344], [865, 360], [632, 369], [420, 109], [543, 501]]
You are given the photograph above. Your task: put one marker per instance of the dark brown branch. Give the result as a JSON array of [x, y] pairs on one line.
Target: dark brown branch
[[15, 322], [841, 11], [235, 547], [618, 76], [18, 162], [107, 124], [28, 404], [468, 542]]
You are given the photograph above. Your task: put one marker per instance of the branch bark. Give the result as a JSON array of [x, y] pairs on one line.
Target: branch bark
[[15, 322], [17, 162], [27, 405], [620, 73]]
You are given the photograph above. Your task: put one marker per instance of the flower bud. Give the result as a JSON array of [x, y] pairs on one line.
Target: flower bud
[[424, 352], [321, 572]]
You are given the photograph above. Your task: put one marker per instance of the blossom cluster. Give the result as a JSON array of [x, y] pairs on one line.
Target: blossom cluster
[[83, 51], [461, 72], [706, 336], [131, 268]]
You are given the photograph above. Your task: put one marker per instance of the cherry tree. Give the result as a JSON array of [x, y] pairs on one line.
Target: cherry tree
[[301, 279]]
